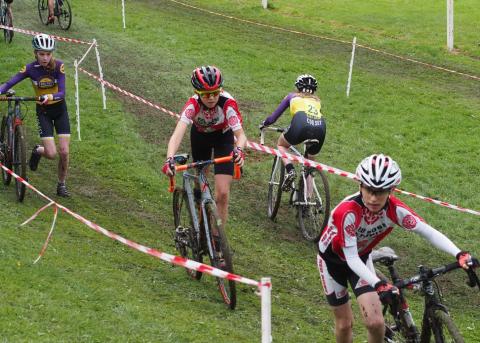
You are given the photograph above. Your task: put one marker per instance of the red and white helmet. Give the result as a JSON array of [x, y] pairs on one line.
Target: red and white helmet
[[207, 78], [379, 171]]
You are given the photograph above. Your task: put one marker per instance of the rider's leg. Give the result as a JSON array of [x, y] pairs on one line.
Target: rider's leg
[[222, 195], [283, 147], [48, 148], [50, 9], [63, 161], [343, 323], [371, 310], [9, 12]]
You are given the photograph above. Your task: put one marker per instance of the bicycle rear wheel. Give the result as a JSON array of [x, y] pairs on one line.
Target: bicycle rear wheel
[[6, 153], [222, 256], [19, 155], [184, 235], [443, 328], [313, 215], [43, 11], [64, 14], [275, 187]]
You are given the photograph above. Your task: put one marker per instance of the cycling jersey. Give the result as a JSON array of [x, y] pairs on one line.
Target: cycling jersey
[[44, 81], [224, 116], [308, 104], [353, 231]]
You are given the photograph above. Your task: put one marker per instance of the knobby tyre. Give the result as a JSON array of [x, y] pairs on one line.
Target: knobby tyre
[[43, 11], [6, 150], [441, 329], [222, 256], [7, 21], [64, 14], [275, 187], [313, 216], [19, 155], [184, 234]]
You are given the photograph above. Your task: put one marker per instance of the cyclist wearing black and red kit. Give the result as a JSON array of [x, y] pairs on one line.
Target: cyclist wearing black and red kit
[[307, 122], [216, 127], [48, 80], [355, 227]]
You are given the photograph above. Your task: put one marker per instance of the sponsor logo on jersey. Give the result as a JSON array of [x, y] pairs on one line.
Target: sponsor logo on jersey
[[370, 217], [361, 283], [62, 68], [46, 82], [189, 113], [409, 222], [350, 230], [232, 121], [23, 70]]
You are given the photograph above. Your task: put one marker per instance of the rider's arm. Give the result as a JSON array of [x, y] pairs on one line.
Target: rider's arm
[[176, 138], [280, 109], [240, 138], [60, 94], [358, 267], [21, 75]]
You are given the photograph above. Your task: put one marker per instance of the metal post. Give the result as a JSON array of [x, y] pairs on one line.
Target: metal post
[[100, 72], [266, 294], [77, 99], [351, 66], [123, 14], [450, 25]]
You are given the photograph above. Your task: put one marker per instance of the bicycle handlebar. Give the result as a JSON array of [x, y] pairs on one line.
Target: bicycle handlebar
[[19, 98], [263, 128], [430, 273]]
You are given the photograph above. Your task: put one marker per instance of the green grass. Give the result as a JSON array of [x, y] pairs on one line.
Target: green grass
[[90, 289]]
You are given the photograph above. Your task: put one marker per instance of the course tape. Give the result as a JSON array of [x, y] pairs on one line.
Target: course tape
[[181, 261], [33, 33], [433, 66], [275, 152]]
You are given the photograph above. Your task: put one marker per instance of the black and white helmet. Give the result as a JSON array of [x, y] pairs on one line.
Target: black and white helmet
[[306, 83], [379, 171], [43, 42]]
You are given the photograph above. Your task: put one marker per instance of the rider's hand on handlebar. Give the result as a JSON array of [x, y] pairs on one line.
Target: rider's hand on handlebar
[[464, 259], [169, 167], [44, 99], [386, 292], [238, 156]]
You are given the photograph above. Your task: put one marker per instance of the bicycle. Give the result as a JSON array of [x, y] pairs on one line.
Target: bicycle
[[13, 153], [198, 228], [311, 199], [61, 10], [6, 20], [436, 321]]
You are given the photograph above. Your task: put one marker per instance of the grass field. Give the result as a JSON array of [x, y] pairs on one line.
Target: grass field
[[88, 288]]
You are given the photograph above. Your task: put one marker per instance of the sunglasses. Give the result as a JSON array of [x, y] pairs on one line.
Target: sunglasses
[[207, 94]]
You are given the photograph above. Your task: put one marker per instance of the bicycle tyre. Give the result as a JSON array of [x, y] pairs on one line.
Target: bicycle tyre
[[221, 248], [19, 156], [43, 11], [7, 21], [313, 218], [64, 14], [443, 328], [7, 157], [185, 242], [275, 187]]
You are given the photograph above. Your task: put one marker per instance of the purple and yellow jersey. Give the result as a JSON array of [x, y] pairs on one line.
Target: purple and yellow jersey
[[310, 105], [44, 81]]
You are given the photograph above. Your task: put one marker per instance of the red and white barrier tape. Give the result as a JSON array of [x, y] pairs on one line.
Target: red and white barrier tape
[[131, 95], [181, 261], [275, 152], [33, 33], [433, 66]]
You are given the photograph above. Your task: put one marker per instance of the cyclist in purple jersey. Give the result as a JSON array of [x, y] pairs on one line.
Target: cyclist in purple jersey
[[307, 123], [48, 79], [355, 227]]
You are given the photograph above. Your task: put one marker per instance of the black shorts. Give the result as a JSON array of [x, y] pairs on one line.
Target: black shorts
[[221, 144], [335, 278], [50, 116], [302, 128]]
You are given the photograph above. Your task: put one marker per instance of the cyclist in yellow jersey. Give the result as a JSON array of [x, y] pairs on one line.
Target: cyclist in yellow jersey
[[307, 122]]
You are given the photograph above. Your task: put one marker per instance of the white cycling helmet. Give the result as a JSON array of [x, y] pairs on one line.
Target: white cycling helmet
[[43, 42], [379, 171]]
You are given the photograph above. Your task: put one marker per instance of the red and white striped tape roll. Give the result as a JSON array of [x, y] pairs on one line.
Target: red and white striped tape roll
[[275, 152], [181, 261], [33, 33]]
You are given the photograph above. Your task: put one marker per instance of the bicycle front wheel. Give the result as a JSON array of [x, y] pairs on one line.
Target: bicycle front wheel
[[64, 14], [313, 204], [275, 187], [6, 153], [19, 155], [7, 21], [43, 11], [184, 235], [222, 256], [443, 328]]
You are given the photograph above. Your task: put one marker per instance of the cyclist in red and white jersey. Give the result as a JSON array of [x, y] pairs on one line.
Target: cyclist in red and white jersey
[[217, 128], [355, 227]]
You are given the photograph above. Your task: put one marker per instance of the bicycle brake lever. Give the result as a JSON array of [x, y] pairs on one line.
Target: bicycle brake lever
[[472, 278]]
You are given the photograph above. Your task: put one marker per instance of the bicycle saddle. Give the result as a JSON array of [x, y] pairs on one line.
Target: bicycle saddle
[[384, 254]]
